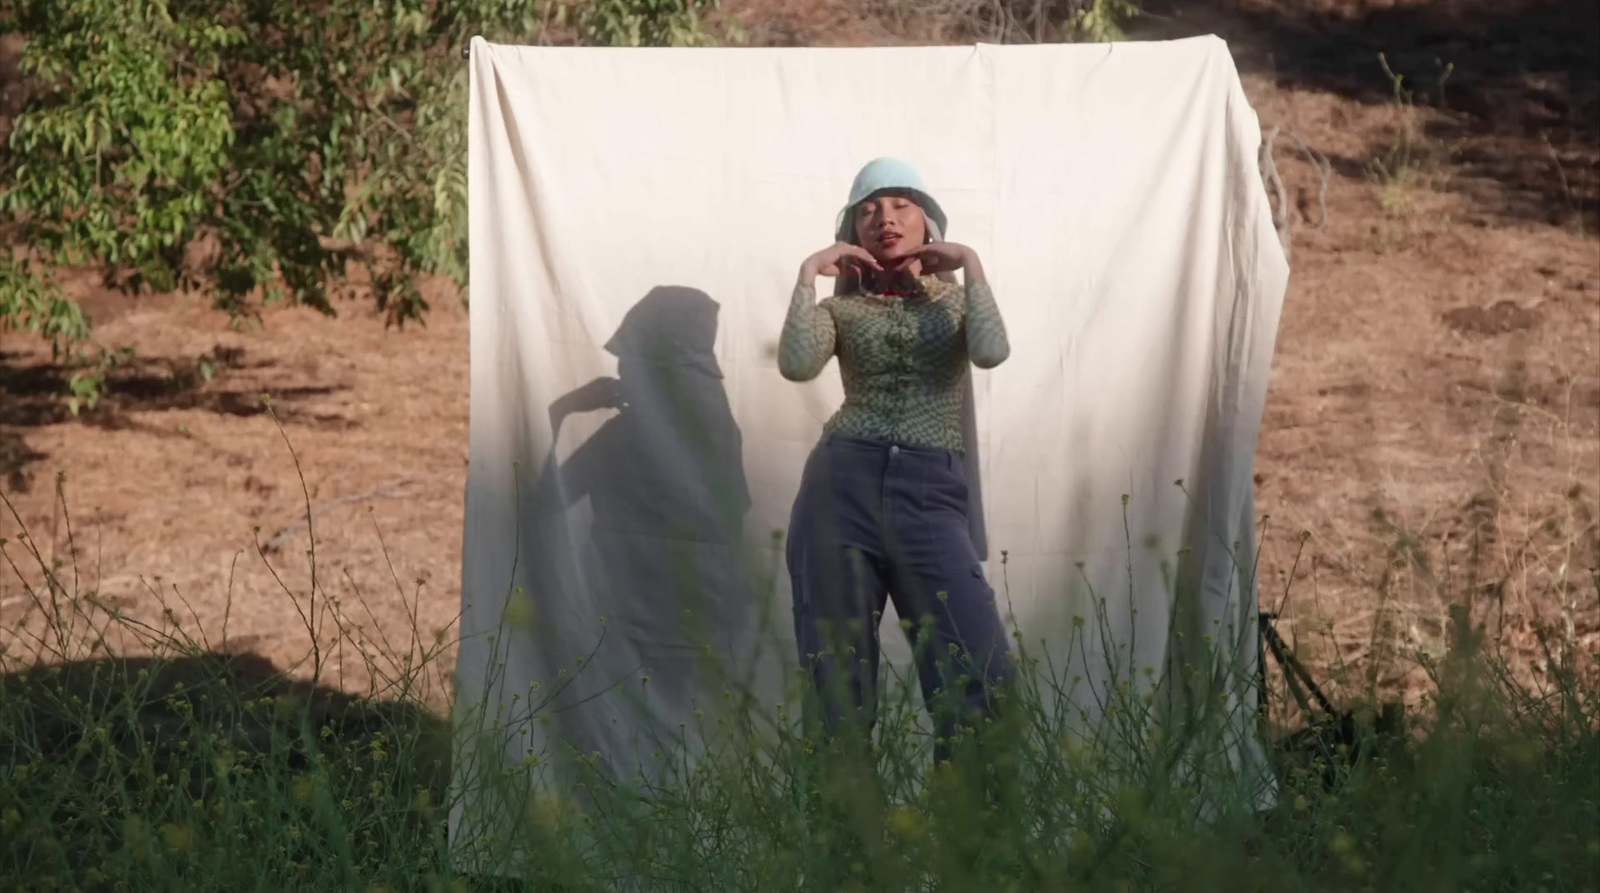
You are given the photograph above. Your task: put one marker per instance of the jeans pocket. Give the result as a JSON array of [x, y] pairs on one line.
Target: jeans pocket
[[983, 585], [797, 591]]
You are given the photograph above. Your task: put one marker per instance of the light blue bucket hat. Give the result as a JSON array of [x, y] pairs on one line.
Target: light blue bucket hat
[[888, 175]]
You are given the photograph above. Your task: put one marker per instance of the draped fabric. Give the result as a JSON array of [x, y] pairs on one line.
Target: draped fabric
[[637, 220]]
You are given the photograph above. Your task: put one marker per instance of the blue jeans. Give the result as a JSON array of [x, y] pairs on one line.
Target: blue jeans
[[874, 521]]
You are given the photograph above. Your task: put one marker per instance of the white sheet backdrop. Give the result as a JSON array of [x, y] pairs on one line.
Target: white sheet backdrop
[[1113, 192]]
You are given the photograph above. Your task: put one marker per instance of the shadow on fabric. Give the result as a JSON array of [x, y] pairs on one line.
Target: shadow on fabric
[[650, 513]]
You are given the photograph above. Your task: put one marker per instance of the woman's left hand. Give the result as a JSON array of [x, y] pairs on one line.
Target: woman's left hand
[[945, 257]]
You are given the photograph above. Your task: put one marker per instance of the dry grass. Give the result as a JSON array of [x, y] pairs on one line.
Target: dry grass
[[1431, 446], [1435, 403], [169, 488]]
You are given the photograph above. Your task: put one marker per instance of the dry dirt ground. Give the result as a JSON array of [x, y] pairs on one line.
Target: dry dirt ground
[[1430, 436]]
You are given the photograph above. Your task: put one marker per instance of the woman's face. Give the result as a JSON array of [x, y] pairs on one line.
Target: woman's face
[[891, 227]]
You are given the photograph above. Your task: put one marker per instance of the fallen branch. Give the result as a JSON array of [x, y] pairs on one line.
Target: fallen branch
[[1324, 168], [1282, 218], [1280, 209], [388, 491]]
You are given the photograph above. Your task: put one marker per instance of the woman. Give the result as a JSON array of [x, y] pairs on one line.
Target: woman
[[882, 508]]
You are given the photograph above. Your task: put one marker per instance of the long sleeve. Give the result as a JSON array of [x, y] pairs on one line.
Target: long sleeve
[[987, 345], [808, 336]]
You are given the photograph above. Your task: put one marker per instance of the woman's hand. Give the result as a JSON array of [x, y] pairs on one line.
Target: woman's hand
[[602, 393], [835, 259], [946, 257]]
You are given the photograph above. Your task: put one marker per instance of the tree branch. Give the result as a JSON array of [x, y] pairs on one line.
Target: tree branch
[[388, 491]]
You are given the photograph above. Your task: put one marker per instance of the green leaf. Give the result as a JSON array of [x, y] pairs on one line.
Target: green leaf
[[264, 126]]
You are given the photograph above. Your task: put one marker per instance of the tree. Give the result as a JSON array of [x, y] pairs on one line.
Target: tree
[[252, 149]]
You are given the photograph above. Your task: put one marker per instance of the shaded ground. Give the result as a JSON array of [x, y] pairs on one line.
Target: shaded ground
[[1513, 88], [157, 705], [117, 762], [1433, 420]]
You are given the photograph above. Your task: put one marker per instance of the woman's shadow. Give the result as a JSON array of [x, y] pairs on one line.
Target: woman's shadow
[[662, 556]]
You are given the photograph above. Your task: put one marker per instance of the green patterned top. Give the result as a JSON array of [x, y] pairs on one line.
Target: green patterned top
[[902, 357]]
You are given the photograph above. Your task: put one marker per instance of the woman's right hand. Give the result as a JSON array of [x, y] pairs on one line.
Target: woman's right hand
[[835, 259], [602, 393]]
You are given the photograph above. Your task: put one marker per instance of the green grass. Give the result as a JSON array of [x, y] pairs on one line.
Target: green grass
[[197, 771]]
